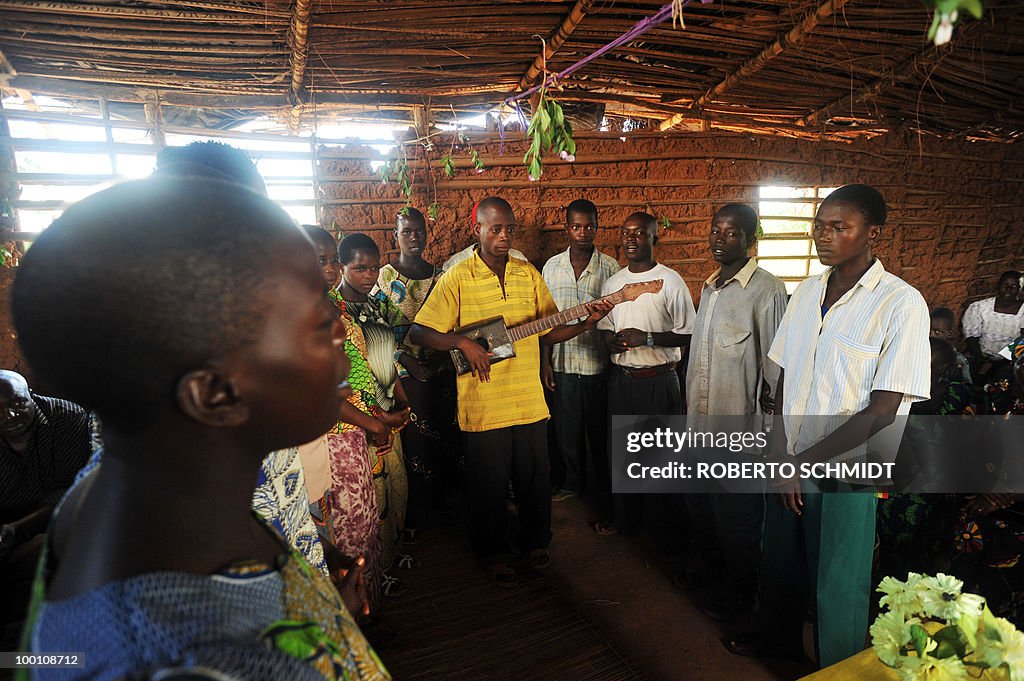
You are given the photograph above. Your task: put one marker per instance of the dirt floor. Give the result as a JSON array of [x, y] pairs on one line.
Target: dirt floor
[[611, 589], [619, 585]]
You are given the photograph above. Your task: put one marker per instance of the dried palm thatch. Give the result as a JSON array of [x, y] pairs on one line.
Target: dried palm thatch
[[799, 67]]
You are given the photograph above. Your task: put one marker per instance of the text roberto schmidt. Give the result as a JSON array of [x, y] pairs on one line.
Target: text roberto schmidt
[[761, 470]]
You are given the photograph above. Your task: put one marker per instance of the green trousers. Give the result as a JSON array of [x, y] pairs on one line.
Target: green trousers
[[824, 554]]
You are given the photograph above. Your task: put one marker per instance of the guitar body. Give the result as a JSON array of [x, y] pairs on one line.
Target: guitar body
[[496, 338], [491, 335]]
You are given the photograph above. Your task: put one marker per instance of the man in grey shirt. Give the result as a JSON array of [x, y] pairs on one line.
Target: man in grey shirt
[[728, 374]]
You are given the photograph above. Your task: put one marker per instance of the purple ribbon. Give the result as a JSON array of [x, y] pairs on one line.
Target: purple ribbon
[[639, 28]]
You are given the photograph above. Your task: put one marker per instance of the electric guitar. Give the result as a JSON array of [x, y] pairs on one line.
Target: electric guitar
[[496, 338]]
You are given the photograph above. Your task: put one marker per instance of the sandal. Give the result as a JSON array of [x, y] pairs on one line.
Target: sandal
[[409, 536], [405, 562], [603, 527], [392, 587], [502, 575], [538, 559]]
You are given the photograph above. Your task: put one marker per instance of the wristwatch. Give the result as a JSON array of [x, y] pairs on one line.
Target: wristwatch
[[650, 339]]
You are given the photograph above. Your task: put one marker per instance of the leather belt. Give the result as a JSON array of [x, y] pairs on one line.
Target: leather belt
[[647, 372]]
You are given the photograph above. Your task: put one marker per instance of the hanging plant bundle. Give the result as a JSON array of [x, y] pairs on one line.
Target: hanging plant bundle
[[946, 14], [549, 132]]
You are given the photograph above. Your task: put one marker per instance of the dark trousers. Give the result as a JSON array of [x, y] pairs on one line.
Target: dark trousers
[[661, 513], [581, 422], [429, 464], [493, 457], [725, 540]]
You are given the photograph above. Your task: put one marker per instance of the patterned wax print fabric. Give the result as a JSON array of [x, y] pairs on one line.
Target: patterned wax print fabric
[[988, 548], [1002, 399], [368, 392], [344, 503], [408, 296], [370, 335], [281, 500], [250, 620], [987, 556]]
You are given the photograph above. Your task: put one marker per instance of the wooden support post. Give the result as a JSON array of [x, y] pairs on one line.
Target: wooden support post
[[154, 118], [556, 41], [105, 114], [422, 121], [315, 161], [298, 38]]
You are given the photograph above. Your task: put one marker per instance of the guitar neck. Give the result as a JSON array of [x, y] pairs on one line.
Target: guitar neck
[[518, 333]]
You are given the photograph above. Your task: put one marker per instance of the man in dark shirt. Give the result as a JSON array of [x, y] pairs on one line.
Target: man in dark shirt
[[43, 443]]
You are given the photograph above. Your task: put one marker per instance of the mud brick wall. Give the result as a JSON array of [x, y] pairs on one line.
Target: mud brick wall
[[10, 356], [956, 208]]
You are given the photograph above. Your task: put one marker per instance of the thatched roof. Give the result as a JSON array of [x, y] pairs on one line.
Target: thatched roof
[[795, 66]]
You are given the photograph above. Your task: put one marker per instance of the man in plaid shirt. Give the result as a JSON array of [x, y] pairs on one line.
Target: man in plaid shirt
[[574, 370]]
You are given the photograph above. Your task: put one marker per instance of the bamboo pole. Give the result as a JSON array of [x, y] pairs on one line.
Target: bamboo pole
[[917, 63], [552, 45], [298, 36], [228, 15], [109, 134], [797, 35]]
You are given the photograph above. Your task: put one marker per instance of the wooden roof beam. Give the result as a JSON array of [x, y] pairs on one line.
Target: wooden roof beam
[[917, 63], [793, 38], [298, 38], [552, 45]]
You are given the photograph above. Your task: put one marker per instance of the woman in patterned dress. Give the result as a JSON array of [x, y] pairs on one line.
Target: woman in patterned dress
[[429, 443], [379, 407], [989, 535], [338, 467]]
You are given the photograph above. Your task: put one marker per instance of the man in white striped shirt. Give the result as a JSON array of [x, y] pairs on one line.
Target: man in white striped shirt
[[853, 345]]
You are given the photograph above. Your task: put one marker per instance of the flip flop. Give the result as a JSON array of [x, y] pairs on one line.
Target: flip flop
[[603, 527], [538, 559], [503, 576], [392, 587], [404, 561]]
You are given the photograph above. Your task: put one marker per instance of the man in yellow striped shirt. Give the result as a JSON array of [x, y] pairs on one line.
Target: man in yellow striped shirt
[[501, 407]]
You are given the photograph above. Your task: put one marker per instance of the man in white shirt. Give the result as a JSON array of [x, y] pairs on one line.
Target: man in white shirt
[[645, 337], [853, 345]]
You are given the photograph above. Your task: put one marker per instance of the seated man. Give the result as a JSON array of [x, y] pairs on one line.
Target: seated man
[[43, 443]]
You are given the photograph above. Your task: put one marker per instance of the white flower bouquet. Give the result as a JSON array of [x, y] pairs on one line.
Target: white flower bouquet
[[932, 631]]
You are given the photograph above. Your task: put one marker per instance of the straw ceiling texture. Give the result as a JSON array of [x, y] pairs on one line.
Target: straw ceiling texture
[[842, 67]]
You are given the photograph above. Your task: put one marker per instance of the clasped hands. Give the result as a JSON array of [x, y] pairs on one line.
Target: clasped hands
[[627, 338], [387, 422]]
